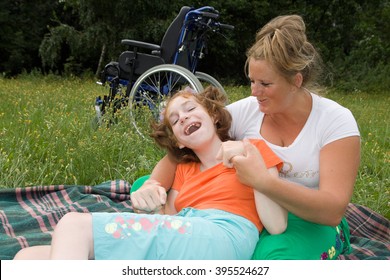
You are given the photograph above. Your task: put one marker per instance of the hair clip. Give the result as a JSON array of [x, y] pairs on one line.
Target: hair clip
[[190, 90]]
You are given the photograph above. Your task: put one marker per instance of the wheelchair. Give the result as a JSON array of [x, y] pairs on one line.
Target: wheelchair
[[145, 75]]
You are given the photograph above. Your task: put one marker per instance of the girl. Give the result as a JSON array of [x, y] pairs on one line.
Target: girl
[[215, 216]]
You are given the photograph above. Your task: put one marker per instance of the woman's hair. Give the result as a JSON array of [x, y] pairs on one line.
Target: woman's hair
[[283, 43], [214, 102]]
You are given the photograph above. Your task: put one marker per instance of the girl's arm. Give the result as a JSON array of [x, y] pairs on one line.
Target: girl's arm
[[272, 215]]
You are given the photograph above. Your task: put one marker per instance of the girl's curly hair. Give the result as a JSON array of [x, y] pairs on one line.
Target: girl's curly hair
[[214, 102]]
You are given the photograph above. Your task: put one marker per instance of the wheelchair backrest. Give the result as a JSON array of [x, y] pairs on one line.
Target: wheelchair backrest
[[170, 41]]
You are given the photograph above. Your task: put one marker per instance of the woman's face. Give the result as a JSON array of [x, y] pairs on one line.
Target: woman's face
[[191, 124], [273, 91]]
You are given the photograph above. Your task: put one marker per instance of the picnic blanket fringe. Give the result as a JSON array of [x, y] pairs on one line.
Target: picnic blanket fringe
[[28, 216]]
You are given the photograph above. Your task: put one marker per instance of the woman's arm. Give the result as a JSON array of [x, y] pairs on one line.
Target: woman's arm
[[339, 163], [272, 215], [170, 208], [164, 172]]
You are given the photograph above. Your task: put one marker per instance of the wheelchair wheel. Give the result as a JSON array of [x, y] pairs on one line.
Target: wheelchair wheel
[[208, 80], [150, 91]]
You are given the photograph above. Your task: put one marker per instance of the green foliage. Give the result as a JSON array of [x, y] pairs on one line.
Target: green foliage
[[70, 37], [364, 63], [23, 24], [50, 49]]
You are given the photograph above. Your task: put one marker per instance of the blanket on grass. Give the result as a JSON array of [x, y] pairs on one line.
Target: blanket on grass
[[29, 215]]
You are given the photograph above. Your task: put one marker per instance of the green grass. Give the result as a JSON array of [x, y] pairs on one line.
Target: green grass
[[46, 138]]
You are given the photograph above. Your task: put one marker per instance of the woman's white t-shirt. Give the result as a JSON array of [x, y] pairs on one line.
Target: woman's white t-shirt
[[327, 122]]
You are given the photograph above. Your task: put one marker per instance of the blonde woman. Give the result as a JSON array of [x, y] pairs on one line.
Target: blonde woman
[[317, 139]]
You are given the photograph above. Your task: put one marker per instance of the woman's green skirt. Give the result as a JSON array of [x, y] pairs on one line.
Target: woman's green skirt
[[304, 240]]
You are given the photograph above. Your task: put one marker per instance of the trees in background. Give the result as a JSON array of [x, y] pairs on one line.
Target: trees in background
[[23, 25], [73, 36]]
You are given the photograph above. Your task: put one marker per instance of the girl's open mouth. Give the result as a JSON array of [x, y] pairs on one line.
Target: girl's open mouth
[[192, 128]]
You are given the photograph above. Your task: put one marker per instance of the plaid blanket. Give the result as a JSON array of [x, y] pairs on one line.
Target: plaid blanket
[[370, 234], [29, 215]]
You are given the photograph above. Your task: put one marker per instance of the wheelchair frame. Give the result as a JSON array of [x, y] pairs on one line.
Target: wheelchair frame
[[143, 81]]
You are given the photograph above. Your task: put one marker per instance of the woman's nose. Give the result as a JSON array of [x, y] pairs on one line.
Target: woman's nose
[[256, 89]]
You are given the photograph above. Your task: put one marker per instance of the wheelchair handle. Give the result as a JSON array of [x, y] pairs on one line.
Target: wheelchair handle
[[209, 15], [226, 26]]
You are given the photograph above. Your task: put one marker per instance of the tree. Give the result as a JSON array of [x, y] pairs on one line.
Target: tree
[[100, 27], [21, 32], [75, 36]]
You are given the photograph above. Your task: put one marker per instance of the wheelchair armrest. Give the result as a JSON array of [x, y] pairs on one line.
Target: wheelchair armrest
[[140, 44]]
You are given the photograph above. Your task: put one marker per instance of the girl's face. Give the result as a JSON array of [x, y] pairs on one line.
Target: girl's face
[[191, 123], [273, 91]]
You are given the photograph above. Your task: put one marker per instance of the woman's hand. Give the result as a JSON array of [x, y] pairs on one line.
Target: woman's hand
[[228, 150], [250, 167], [150, 198]]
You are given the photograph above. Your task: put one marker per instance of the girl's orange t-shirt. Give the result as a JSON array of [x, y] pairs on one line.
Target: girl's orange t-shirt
[[219, 188]]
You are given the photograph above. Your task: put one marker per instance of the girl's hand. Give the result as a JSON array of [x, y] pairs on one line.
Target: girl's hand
[[250, 167], [228, 150], [150, 198]]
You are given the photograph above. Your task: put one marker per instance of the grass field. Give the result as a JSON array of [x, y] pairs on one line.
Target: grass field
[[46, 138]]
